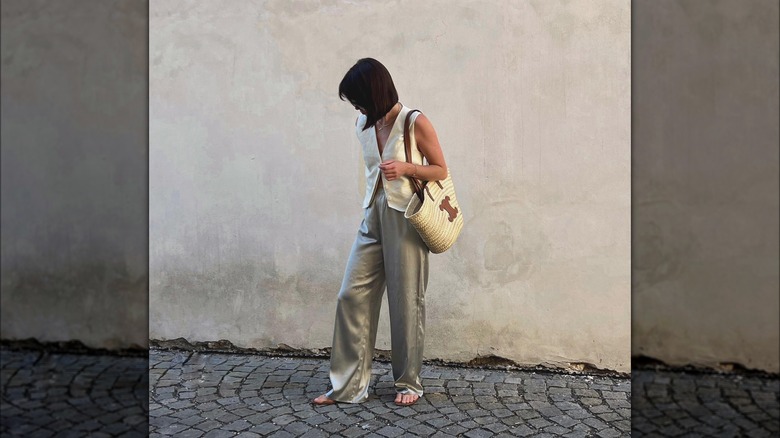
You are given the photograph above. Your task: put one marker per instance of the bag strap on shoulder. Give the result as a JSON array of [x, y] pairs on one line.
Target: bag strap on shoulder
[[417, 185]]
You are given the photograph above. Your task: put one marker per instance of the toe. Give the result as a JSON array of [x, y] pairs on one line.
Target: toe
[[321, 399]]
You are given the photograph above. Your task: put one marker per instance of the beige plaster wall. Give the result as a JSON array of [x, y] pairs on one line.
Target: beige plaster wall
[[256, 175], [705, 182], [74, 172]]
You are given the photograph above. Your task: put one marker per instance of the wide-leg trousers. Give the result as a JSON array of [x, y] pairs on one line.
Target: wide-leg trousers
[[388, 252]]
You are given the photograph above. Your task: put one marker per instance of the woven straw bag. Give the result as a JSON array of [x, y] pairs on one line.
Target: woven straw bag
[[434, 211]]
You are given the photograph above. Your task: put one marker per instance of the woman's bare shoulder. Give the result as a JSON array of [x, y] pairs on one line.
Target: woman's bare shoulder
[[422, 118], [422, 124]]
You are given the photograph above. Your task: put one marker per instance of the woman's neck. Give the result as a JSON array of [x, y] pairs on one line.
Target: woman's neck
[[392, 113]]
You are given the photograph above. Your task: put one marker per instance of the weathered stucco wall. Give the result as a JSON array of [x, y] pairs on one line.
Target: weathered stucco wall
[[705, 182], [74, 172], [256, 176]]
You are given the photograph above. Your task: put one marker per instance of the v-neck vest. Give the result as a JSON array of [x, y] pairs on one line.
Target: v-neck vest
[[399, 191]]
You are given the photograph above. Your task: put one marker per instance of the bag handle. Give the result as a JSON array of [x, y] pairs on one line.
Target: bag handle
[[417, 187]]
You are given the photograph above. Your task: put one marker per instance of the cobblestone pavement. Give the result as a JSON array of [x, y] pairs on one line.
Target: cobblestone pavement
[[222, 395], [70, 395], [704, 405], [241, 395]]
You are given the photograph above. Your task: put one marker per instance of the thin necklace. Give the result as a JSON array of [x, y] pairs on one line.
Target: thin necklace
[[379, 128]]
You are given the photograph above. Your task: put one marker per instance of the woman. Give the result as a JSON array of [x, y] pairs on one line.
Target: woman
[[387, 251]]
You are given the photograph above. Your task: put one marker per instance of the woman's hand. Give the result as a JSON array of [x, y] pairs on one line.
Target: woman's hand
[[393, 169], [428, 144]]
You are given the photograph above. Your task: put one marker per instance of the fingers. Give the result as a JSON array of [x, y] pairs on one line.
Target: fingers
[[389, 169]]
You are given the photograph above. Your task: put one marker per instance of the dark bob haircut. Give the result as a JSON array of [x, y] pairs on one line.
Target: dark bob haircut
[[368, 85]]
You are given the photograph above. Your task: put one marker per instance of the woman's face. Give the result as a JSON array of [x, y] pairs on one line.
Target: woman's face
[[358, 107]]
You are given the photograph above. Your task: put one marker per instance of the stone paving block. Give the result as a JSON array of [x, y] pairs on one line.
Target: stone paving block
[[595, 423], [438, 422], [390, 431], [479, 433], [523, 430], [482, 421], [354, 432], [316, 419], [556, 430], [512, 420], [465, 402], [609, 433], [600, 409], [539, 423], [332, 427], [208, 425], [579, 414], [564, 420], [192, 420], [265, 428], [454, 429], [297, 428], [237, 426], [496, 427], [537, 396], [172, 429], [468, 424], [219, 434]]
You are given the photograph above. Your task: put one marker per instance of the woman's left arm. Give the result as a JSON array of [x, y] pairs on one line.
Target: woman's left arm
[[428, 144]]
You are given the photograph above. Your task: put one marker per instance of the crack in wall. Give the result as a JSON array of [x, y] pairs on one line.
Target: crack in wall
[[487, 362], [70, 347], [642, 362], [639, 362]]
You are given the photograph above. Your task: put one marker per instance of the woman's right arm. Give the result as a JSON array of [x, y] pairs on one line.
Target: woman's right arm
[[428, 144]]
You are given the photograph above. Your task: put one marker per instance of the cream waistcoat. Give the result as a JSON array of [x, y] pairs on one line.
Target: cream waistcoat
[[398, 191]]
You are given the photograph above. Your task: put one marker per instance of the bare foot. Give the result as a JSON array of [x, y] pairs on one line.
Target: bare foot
[[323, 400], [406, 399]]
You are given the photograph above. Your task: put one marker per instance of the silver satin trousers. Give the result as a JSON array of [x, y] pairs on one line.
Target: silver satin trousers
[[388, 252]]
